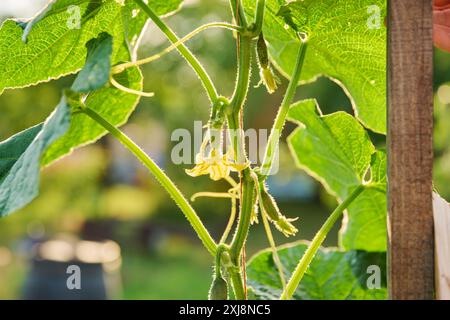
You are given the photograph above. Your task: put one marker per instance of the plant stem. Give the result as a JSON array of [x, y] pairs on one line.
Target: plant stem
[[259, 16], [246, 207], [243, 74], [212, 195], [238, 284], [230, 221], [221, 248], [162, 178], [234, 117], [236, 136], [317, 241], [275, 256], [238, 99], [129, 90], [185, 52], [275, 133], [238, 12], [247, 202]]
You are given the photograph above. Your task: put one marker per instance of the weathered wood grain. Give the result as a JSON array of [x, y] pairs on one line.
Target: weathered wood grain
[[410, 149]]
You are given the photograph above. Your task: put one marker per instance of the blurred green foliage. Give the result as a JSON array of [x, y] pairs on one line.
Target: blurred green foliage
[[441, 170]]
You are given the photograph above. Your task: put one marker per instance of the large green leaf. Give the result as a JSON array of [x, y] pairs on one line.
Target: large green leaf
[[54, 48], [332, 275], [337, 151], [340, 46], [20, 159], [19, 186], [113, 104], [333, 148]]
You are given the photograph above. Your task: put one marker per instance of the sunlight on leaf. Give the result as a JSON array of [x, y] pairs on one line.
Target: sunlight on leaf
[[346, 42], [332, 275]]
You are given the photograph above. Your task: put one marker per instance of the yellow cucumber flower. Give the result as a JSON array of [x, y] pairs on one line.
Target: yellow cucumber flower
[[269, 79], [215, 165]]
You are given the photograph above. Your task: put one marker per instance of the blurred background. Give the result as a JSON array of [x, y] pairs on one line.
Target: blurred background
[[100, 207]]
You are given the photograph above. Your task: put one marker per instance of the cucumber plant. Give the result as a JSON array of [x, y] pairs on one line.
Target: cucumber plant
[[301, 40]]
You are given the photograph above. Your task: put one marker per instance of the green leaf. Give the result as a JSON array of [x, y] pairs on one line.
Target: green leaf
[[80, 131], [114, 105], [20, 159], [96, 70], [332, 275], [12, 148], [364, 224], [378, 169], [55, 46], [364, 227], [336, 150], [341, 46]]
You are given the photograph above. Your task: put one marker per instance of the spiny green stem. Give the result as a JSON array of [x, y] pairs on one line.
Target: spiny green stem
[[162, 178], [234, 114], [275, 133], [238, 99], [246, 207], [236, 135], [240, 236], [185, 52], [316, 243], [243, 75]]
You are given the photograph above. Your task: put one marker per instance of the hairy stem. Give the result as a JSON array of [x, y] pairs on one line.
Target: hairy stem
[[243, 75], [236, 135], [246, 207], [184, 51], [316, 243], [275, 133], [238, 99], [245, 213], [234, 119], [162, 178]]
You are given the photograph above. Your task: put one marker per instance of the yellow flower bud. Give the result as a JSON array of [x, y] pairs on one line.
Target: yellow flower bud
[[269, 80]]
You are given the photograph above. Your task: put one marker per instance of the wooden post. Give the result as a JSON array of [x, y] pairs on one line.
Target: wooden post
[[410, 149]]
